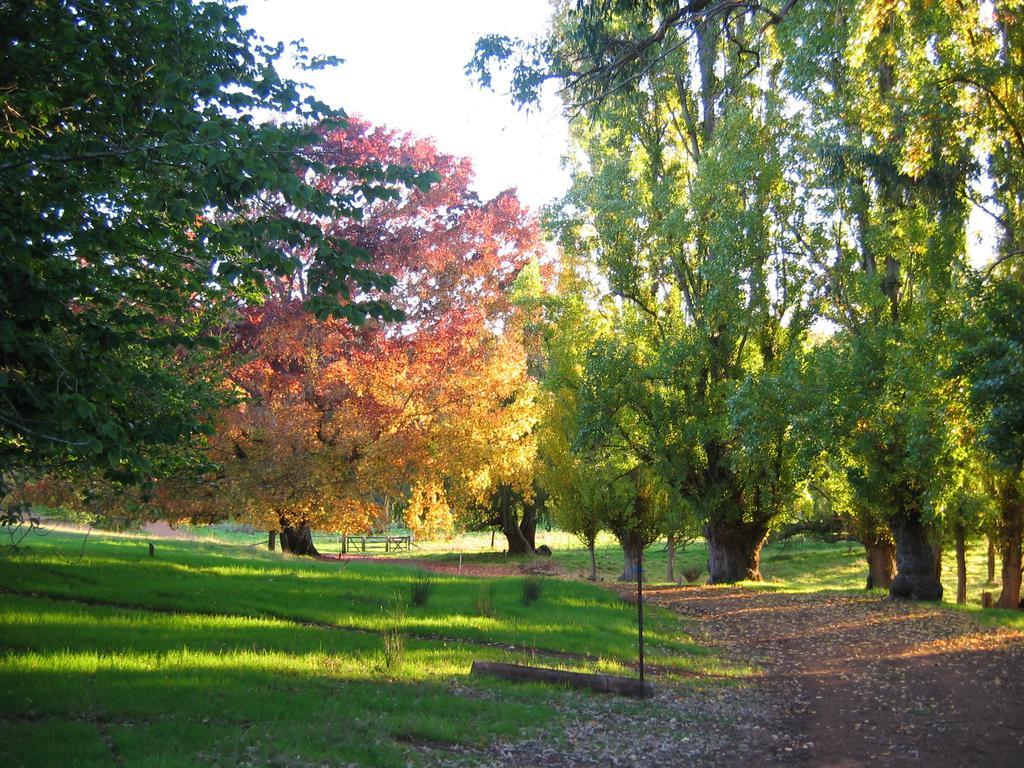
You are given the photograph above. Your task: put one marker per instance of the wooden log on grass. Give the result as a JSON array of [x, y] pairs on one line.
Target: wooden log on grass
[[623, 686]]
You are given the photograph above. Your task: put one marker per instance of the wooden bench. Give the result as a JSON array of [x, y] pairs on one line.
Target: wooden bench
[[361, 542]]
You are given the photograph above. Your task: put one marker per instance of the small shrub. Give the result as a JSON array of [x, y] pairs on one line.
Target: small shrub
[[421, 588], [693, 573], [394, 648], [392, 639], [483, 604], [532, 587]]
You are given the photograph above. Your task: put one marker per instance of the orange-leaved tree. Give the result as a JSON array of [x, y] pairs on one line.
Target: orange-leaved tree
[[437, 409]]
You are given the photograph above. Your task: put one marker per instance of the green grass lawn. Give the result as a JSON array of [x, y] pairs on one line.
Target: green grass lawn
[[225, 655]]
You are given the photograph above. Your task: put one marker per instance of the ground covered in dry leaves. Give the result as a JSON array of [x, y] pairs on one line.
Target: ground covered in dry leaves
[[846, 680]]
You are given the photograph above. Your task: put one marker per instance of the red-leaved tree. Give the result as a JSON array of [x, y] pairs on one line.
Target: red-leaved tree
[[436, 410]]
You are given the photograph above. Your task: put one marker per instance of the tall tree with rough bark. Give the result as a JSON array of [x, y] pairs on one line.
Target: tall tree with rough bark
[[888, 150], [681, 201]]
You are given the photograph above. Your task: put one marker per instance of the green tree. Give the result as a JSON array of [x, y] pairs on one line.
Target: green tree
[[682, 204], [886, 148], [838, 511], [993, 359], [577, 484], [595, 463], [154, 165], [985, 76], [613, 434]]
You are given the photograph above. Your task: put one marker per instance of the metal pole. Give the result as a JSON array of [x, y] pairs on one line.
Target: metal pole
[[640, 608]]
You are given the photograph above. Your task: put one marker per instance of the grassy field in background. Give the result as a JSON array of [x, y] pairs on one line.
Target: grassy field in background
[[227, 655], [798, 566]]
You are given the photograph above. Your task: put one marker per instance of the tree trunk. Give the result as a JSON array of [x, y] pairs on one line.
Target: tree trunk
[[528, 525], [961, 564], [521, 541], [629, 565], [991, 561], [1011, 535], [937, 555], [625, 686], [734, 551], [881, 554], [670, 567], [629, 543], [593, 561], [521, 536], [915, 560], [297, 540], [272, 540], [1010, 595], [707, 48]]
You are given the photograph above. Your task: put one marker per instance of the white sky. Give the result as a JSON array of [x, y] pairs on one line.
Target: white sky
[[404, 68]]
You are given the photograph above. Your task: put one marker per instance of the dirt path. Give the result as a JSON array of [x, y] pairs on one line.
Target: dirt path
[[848, 681], [534, 567], [856, 681]]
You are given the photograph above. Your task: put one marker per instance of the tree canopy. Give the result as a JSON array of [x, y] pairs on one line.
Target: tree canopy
[[772, 202], [155, 167]]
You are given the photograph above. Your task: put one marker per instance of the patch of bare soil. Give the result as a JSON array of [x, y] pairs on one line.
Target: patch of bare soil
[[164, 530], [540, 566], [678, 726], [857, 681]]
